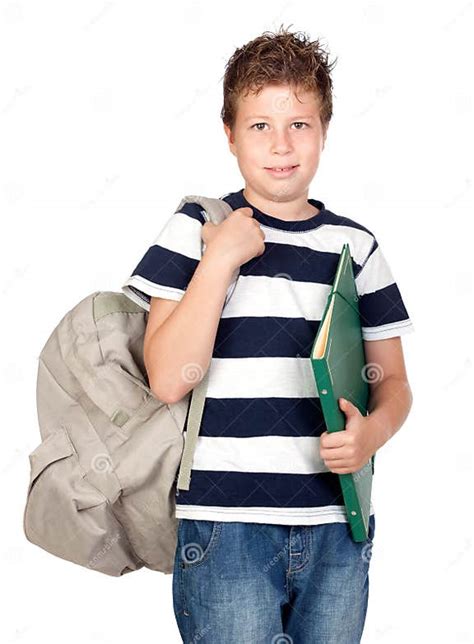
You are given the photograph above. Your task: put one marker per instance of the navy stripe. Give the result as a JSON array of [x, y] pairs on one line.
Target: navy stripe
[[193, 210], [382, 307], [270, 337], [247, 489], [249, 417], [166, 267], [298, 263]]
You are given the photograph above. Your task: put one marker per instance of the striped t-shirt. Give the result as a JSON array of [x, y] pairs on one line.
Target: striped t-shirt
[[257, 456]]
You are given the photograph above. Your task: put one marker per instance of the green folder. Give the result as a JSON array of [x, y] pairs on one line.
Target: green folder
[[338, 362]]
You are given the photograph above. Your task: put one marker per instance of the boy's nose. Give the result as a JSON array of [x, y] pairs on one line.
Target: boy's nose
[[281, 146], [281, 142]]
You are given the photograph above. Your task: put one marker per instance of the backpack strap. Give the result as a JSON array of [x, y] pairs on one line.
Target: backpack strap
[[196, 408], [215, 211]]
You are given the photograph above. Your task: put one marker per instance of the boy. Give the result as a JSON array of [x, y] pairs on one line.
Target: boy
[[265, 552]]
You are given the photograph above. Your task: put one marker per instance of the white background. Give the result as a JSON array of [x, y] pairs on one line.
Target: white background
[[109, 116]]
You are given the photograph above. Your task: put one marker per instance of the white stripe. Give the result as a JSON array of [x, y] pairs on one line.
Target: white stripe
[[260, 296], [261, 378], [391, 330], [269, 454], [181, 234], [329, 238], [151, 289], [375, 275], [282, 516]]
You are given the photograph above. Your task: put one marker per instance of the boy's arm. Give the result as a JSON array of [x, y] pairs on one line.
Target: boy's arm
[[390, 393], [179, 351]]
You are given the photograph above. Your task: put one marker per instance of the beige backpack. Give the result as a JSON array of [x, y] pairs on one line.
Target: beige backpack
[[104, 478]]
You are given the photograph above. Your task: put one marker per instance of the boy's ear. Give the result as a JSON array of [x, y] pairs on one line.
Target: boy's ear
[[230, 139]]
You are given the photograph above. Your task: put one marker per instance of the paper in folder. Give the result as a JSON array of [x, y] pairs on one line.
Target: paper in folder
[[338, 362]]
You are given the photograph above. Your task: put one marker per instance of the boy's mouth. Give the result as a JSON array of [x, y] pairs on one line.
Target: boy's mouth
[[282, 171]]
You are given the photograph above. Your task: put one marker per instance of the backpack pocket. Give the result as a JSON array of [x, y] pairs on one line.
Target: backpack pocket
[[131, 378], [70, 518]]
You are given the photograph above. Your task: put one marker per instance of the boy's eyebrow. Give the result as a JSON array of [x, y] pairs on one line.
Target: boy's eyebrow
[[249, 118]]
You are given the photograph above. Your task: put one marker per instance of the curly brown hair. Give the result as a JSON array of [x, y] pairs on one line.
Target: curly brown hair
[[277, 58]]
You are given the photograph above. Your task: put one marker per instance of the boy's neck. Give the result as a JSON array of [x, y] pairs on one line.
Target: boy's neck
[[293, 210]]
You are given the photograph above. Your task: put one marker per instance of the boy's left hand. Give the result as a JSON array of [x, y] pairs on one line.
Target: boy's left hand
[[347, 451]]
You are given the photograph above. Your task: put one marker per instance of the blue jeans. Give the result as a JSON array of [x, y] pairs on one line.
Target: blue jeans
[[256, 583]]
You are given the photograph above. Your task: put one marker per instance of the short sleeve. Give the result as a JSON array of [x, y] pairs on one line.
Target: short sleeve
[[168, 265], [382, 310]]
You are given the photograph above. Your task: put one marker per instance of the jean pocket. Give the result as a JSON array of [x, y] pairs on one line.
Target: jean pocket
[[196, 541]]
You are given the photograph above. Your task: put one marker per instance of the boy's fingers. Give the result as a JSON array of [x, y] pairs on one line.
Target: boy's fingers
[[330, 440], [245, 210]]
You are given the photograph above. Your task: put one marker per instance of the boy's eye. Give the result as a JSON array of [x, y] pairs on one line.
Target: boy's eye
[[300, 123], [295, 123]]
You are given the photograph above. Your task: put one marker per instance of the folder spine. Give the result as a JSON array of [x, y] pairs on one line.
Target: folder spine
[[329, 403]]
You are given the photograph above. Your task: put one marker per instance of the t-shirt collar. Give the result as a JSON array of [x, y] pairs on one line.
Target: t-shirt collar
[[238, 200]]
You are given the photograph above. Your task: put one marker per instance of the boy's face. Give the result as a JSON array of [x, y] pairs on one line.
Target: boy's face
[[281, 140]]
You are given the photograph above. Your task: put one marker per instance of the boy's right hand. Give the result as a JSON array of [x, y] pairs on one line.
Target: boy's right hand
[[237, 239]]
